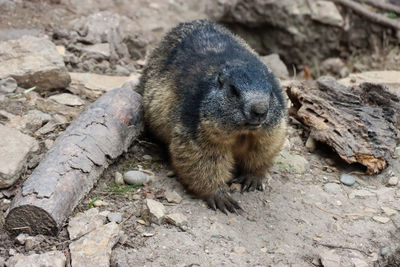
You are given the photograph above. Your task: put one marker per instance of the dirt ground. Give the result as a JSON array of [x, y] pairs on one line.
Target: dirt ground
[[303, 216]]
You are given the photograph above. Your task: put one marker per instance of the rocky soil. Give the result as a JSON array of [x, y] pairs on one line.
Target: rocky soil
[[315, 210]]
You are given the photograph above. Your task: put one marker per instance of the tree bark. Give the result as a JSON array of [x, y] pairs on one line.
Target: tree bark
[[359, 122], [72, 166]]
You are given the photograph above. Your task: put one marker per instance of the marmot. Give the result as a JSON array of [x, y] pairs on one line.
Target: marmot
[[219, 109]]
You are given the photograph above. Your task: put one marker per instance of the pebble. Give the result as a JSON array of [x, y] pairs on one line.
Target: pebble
[[154, 211], [173, 197], [384, 251], [48, 143], [347, 179], [239, 250], [393, 181], [67, 99], [170, 173], [21, 238], [388, 211], [381, 219], [115, 217], [8, 85], [119, 178], [177, 219], [147, 157], [136, 177], [332, 188], [311, 144], [99, 203]]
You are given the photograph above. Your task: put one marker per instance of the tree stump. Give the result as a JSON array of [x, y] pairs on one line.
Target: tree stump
[[72, 166], [359, 123]]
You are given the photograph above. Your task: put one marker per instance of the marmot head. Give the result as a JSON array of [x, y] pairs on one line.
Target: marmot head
[[243, 96]]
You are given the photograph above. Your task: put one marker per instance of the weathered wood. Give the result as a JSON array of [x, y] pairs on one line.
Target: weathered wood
[[71, 167], [359, 123]]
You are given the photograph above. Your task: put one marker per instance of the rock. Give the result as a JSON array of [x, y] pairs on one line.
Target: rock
[[2, 262], [333, 64], [347, 179], [33, 242], [102, 83], [177, 219], [131, 84], [290, 162], [326, 12], [115, 217], [276, 65], [33, 61], [388, 211], [67, 99], [101, 50], [384, 251], [136, 177], [170, 173], [359, 263], [119, 178], [389, 78], [393, 181], [173, 197], [94, 249], [15, 148], [239, 250], [147, 157], [99, 203], [85, 223], [122, 71], [8, 85], [61, 49], [311, 144], [154, 211], [48, 259], [11, 34], [48, 143], [21, 238], [330, 259], [362, 193], [332, 188], [381, 219]]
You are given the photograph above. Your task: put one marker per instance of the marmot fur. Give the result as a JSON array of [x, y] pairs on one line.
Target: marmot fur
[[219, 109]]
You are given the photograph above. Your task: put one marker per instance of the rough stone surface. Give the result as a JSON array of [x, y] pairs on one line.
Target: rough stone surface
[[94, 249], [114, 217], [67, 99], [276, 65], [393, 181], [290, 162], [326, 12], [347, 179], [48, 259], [14, 151], [177, 219], [330, 259], [381, 219], [85, 223], [332, 188], [8, 85], [362, 193], [154, 211], [33, 61], [390, 78], [173, 197], [99, 82]]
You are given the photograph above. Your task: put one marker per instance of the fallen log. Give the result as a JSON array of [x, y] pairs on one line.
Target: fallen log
[[72, 166], [359, 122]]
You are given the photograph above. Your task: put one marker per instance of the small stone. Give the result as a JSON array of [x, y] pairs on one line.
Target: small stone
[[99, 203], [136, 177], [170, 173], [67, 99], [52, 258], [21, 238], [239, 250], [388, 211], [148, 234], [359, 263], [8, 85], [147, 157], [384, 251], [85, 223], [235, 188], [173, 197], [119, 178], [276, 65], [332, 188], [177, 219], [60, 49], [48, 143], [115, 217], [122, 70], [33, 242], [154, 211], [347, 179], [393, 181], [362, 193], [330, 259], [381, 219], [311, 144]]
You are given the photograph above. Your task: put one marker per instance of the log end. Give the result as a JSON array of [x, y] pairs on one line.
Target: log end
[[30, 219]]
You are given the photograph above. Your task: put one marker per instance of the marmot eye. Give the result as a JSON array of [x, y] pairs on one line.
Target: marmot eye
[[234, 91]]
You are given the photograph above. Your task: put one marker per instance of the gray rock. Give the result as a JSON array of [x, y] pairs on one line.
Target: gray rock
[[177, 219], [332, 188], [115, 217], [67, 99], [147, 157], [333, 64], [393, 181], [362, 193], [15, 148], [381, 219], [276, 65], [153, 211], [48, 143], [122, 70], [173, 197], [311, 144], [290, 162], [21, 238], [8, 85], [119, 178], [384, 251], [136, 177], [101, 50], [347, 179], [10, 34], [48, 259], [85, 223], [94, 249], [2, 262], [33, 61], [359, 262], [330, 259], [326, 12], [32, 242]]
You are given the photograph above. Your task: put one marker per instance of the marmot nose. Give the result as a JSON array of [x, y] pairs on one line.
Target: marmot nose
[[258, 111]]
